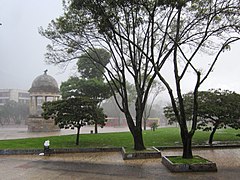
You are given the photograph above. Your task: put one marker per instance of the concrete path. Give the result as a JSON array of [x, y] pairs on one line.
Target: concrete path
[[22, 132], [111, 166], [106, 165]]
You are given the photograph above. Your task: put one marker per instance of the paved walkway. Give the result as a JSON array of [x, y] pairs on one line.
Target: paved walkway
[[22, 132], [111, 166], [106, 165]]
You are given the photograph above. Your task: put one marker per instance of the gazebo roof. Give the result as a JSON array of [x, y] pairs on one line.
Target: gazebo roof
[[44, 84]]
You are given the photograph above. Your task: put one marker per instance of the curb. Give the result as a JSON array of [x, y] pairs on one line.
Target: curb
[[113, 149], [57, 151], [201, 146], [154, 153], [208, 166]]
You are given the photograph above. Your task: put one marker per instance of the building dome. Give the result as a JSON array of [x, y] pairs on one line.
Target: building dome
[[44, 84]]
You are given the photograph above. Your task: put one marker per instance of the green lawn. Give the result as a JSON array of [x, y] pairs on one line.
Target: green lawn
[[160, 137], [194, 160]]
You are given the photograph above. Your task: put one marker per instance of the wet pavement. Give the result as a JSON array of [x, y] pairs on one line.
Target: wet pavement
[[106, 165], [110, 165], [22, 132]]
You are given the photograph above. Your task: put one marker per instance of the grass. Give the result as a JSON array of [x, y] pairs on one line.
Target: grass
[[180, 160], [160, 137]]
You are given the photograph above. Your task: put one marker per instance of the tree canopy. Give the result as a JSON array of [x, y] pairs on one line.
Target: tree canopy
[[72, 113], [92, 88], [90, 83], [89, 63], [217, 109]]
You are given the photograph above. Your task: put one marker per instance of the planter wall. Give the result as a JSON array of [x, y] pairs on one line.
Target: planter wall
[[155, 153], [203, 167]]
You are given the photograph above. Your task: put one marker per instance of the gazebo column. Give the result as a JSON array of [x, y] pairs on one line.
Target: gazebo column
[[31, 105], [55, 98], [44, 98], [36, 104]]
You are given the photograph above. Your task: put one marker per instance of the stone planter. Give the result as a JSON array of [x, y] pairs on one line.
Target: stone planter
[[201, 167], [150, 153]]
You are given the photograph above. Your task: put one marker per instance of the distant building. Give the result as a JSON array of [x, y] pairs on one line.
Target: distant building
[[21, 96]]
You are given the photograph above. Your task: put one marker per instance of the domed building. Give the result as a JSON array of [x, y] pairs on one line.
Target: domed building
[[44, 88], [44, 84]]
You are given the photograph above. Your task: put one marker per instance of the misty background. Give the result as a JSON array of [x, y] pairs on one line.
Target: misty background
[[22, 49]]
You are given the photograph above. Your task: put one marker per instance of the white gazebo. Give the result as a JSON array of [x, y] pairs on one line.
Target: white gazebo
[[44, 88]]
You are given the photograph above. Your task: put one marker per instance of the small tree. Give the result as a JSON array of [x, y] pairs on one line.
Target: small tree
[[93, 88], [72, 113], [217, 109], [92, 80]]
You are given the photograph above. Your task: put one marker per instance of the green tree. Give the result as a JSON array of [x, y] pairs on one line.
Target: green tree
[[88, 63], [144, 38], [217, 109], [91, 81], [72, 113], [94, 89]]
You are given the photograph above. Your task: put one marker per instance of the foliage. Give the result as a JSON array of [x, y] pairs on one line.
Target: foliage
[[72, 113], [91, 83], [220, 108], [217, 109], [13, 111], [78, 87], [91, 64]]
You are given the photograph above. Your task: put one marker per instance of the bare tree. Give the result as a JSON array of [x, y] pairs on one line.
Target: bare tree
[[155, 90]]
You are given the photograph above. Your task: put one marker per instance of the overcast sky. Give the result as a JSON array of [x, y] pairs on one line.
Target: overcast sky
[[22, 48]]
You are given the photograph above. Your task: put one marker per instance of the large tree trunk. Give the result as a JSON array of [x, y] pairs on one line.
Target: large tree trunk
[[187, 145], [212, 134], [138, 140], [78, 133], [136, 132]]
